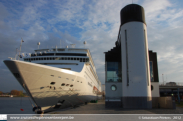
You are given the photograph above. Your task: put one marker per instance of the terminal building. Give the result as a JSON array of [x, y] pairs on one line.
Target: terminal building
[[131, 70]]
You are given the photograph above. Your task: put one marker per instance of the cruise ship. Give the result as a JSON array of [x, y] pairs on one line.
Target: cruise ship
[[58, 77]]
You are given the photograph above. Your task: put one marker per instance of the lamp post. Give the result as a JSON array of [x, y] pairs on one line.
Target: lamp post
[[163, 79]]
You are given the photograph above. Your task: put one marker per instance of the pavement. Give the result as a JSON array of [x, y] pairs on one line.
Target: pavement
[[99, 108]]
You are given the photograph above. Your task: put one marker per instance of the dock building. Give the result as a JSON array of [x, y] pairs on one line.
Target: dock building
[[130, 68]]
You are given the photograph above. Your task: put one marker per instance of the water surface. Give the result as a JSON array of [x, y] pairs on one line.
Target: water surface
[[12, 105]]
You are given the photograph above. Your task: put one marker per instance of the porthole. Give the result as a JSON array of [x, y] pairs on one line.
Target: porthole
[[59, 77], [113, 88], [67, 84], [62, 84], [52, 83], [71, 85], [152, 87]]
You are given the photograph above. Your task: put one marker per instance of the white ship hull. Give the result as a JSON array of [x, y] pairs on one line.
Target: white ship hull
[[36, 80]]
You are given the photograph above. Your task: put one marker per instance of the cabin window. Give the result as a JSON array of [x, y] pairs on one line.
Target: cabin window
[[62, 58], [71, 85], [63, 84], [71, 58], [77, 58], [80, 59], [74, 58], [57, 58], [36, 58], [67, 84]]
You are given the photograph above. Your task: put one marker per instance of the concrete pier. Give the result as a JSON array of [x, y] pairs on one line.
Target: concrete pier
[[99, 108]]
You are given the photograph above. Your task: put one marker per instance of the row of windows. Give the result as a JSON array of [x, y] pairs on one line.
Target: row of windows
[[57, 58], [63, 84], [60, 77], [65, 54]]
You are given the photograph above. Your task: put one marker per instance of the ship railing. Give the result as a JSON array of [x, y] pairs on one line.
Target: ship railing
[[12, 58]]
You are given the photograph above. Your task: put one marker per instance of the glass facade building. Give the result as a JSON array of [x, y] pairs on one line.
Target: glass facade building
[[151, 71], [114, 72]]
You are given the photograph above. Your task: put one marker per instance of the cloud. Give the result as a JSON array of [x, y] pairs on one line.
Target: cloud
[[96, 22]]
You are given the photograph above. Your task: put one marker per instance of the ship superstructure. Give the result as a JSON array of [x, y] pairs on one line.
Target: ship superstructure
[[64, 76]]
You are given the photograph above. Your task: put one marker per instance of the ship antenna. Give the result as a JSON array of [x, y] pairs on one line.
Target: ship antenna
[[38, 44], [16, 53], [60, 43], [20, 48], [55, 48], [84, 43]]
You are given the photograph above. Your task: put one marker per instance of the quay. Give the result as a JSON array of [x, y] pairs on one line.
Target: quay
[[99, 108]]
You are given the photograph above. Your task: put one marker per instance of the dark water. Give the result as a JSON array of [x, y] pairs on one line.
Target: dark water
[[12, 105]]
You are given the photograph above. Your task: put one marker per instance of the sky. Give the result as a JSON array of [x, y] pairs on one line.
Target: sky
[[94, 21]]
